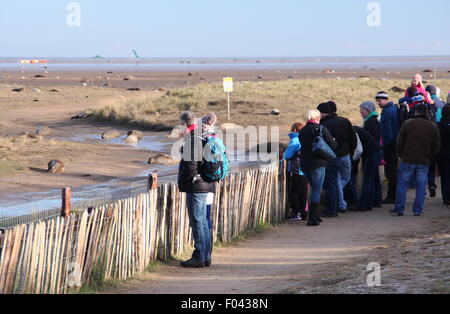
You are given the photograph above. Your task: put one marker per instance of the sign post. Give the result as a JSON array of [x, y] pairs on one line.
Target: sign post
[[228, 88]]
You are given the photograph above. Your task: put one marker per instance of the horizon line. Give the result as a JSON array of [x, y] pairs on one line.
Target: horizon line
[[232, 57]]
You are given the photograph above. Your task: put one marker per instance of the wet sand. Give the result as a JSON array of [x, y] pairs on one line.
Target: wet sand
[[91, 163]]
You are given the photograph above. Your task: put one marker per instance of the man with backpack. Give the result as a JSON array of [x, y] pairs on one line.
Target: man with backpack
[[199, 170], [389, 123]]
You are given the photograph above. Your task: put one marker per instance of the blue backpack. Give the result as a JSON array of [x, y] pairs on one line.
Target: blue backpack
[[215, 165]]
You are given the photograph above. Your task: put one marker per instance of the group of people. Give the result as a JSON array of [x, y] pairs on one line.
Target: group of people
[[411, 139]]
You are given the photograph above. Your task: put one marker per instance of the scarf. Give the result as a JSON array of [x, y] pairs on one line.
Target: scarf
[[372, 114]]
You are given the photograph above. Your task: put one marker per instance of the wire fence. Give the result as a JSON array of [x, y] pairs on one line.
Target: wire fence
[[49, 205]]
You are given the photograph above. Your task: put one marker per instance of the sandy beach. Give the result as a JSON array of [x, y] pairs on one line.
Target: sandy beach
[[52, 99]]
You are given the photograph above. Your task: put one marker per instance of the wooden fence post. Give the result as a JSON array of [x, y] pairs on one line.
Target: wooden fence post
[[65, 207], [152, 181]]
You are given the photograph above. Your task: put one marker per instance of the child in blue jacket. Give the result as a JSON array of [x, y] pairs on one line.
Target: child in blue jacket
[[298, 184]]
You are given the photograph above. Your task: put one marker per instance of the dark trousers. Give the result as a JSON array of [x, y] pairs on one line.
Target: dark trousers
[[350, 193], [371, 185], [298, 193], [444, 168], [432, 176], [391, 169]]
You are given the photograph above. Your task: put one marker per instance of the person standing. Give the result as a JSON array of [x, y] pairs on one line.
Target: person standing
[[338, 171], [313, 166], [437, 105], [389, 131], [371, 123], [417, 145], [208, 130], [443, 159], [191, 182], [345, 172], [298, 184], [417, 83], [370, 195]]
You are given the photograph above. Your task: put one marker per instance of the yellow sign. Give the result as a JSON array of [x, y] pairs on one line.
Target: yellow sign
[[228, 84]]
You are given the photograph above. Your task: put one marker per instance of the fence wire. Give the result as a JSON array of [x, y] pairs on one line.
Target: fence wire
[[81, 199]]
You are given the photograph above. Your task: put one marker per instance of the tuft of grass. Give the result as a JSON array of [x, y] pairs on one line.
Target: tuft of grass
[[10, 168], [249, 101], [441, 288], [250, 233], [98, 285]]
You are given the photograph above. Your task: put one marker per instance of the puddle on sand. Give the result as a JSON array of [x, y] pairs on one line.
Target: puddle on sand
[[155, 143]]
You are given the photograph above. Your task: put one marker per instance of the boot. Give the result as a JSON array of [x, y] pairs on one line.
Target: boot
[[304, 215], [192, 263], [313, 215]]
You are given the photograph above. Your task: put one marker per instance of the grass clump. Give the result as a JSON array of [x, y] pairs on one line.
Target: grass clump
[[9, 168]]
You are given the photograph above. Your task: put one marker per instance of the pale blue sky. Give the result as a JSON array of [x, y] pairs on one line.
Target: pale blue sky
[[227, 28]]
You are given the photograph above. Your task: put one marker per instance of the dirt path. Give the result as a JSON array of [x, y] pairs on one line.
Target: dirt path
[[331, 258]]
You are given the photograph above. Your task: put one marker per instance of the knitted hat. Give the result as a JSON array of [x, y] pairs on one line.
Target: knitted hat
[[209, 121], [368, 106], [333, 106], [382, 95], [418, 99], [324, 108], [431, 89]]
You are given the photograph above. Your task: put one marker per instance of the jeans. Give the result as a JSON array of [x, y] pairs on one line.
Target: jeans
[[196, 204], [208, 216], [444, 168], [338, 171], [390, 169], [419, 174], [315, 178], [350, 193], [371, 185], [345, 175]]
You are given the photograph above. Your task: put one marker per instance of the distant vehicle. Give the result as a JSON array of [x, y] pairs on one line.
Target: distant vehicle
[[98, 57]]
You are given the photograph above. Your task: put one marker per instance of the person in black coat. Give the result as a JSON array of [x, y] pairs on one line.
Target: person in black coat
[[443, 159], [338, 172], [370, 195], [312, 166], [196, 189], [371, 123]]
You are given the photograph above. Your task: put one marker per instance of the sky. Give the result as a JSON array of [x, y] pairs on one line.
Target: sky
[[226, 28]]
